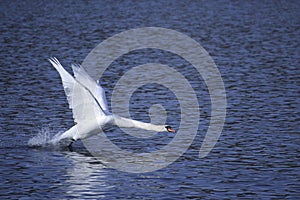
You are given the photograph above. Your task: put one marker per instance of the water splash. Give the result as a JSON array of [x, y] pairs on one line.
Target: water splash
[[45, 137]]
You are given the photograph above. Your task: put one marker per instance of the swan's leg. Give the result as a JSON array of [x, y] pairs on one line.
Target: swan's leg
[[70, 145]]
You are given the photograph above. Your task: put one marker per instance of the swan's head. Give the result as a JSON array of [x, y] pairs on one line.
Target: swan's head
[[169, 129]]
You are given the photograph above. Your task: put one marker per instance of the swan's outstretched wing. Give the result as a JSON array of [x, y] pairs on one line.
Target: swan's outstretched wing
[[81, 101], [98, 92]]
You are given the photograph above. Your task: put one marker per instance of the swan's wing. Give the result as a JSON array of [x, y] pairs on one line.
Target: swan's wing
[[98, 92], [81, 101]]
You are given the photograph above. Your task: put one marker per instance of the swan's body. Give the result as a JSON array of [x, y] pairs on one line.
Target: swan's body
[[87, 100]]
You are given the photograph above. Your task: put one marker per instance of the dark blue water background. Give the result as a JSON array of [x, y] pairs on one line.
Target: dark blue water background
[[255, 45]]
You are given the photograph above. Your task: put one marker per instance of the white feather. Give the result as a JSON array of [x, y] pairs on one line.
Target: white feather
[[89, 106]]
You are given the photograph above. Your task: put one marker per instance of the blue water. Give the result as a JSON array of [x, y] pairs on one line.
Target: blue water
[[256, 48]]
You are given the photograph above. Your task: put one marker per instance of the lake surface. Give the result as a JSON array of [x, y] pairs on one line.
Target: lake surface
[[256, 48]]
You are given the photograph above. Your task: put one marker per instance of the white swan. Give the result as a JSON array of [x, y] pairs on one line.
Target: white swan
[[87, 100]]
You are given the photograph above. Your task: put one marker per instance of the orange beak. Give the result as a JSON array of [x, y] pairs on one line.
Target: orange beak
[[171, 130]]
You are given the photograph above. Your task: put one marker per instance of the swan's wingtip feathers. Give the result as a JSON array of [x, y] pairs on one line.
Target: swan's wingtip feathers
[[75, 68], [78, 70], [54, 61]]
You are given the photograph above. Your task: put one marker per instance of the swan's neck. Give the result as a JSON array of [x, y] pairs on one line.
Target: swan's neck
[[129, 123]]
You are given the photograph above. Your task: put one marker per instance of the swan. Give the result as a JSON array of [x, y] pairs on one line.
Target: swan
[[90, 111]]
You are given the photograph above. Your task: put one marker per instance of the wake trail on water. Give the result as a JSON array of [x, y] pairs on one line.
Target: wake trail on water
[[44, 137]]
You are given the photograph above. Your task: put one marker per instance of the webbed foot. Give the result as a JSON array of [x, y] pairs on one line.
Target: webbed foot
[[70, 145]]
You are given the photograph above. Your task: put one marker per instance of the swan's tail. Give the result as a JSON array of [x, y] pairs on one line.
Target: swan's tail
[[69, 134], [56, 138]]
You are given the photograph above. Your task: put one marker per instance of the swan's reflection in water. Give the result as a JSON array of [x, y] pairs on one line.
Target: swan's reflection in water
[[87, 177]]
